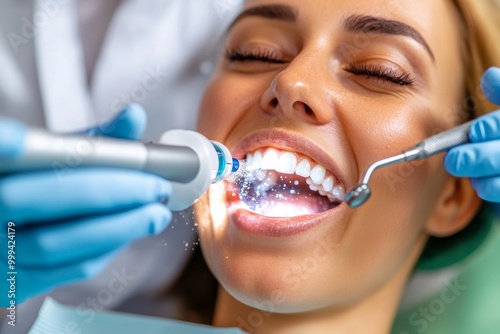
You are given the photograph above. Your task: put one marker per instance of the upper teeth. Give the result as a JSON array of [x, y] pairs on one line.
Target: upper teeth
[[317, 177]]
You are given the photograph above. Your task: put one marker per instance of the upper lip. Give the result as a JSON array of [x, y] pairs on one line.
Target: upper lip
[[287, 141]]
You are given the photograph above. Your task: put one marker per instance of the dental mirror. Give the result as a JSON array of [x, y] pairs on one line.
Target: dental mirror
[[358, 195]]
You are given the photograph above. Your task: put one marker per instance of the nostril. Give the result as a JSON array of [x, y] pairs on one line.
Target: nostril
[[308, 110], [303, 107], [274, 102]]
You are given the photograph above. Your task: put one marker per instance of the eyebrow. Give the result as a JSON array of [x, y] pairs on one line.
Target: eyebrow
[[378, 25], [276, 12], [354, 23]]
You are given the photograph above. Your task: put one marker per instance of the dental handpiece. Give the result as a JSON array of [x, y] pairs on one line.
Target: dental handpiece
[[428, 147], [187, 159]]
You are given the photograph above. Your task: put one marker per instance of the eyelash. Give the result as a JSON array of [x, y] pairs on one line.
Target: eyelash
[[254, 55], [383, 73], [379, 72]]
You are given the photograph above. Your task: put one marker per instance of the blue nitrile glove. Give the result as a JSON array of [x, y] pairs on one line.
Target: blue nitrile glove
[[67, 227], [481, 159]]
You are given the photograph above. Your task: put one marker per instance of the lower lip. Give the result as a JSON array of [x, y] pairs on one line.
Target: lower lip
[[256, 224]]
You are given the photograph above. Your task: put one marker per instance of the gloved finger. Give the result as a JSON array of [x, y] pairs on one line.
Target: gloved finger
[[12, 135], [488, 188], [32, 282], [490, 83], [129, 123], [474, 160], [44, 196], [63, 243], [485, 128]]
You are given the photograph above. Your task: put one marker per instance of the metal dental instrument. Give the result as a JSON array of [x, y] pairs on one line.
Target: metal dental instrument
[[428, 147]]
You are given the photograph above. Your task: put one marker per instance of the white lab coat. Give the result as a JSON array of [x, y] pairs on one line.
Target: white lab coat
[[155, 52]]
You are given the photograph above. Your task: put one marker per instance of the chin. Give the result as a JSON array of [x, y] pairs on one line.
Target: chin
[[277, 301]]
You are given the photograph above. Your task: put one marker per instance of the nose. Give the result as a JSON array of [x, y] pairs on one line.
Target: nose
[[301, 91]]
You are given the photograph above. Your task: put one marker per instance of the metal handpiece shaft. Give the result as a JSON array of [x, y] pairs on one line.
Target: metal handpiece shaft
[[44, 150]]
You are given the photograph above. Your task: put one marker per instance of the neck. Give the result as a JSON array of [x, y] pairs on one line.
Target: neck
[[374, 314]]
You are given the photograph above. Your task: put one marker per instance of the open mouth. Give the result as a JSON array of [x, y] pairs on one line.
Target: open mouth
[[284, 184]]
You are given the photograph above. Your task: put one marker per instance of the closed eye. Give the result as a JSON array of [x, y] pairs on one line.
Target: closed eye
[[383, 73]]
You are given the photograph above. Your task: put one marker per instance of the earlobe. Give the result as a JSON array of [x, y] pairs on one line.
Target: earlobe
[[455, 208]]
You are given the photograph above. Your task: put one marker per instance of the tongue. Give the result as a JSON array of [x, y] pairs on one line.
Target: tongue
[[273, 194]]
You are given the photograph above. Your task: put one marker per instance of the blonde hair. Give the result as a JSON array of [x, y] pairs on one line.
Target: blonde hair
[[481, 47], [480, 28]]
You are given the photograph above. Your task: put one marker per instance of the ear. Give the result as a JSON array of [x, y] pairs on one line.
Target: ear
[[455, 208]]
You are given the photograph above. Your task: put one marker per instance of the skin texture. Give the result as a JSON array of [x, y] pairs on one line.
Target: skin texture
[[353, 264]]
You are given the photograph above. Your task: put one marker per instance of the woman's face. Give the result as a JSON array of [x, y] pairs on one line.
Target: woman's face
[[334, 85]]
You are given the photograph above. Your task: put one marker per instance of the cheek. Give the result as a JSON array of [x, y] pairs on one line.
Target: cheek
[[376, 131], [225, 101], [403, 196], [213, 117]]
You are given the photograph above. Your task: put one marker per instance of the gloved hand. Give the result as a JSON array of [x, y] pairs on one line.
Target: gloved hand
[[61, 229], [480, 160]]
